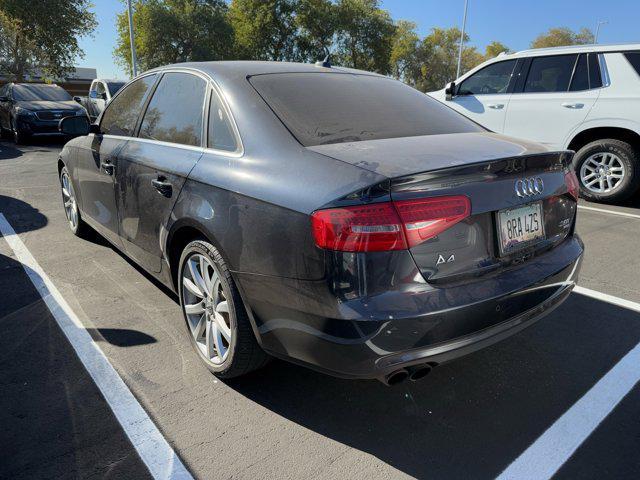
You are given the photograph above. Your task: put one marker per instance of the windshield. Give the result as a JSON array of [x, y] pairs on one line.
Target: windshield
[[114, 87], [40, 92], [322, 108]]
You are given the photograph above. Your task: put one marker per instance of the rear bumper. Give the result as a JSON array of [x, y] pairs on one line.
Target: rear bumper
[[370, 337]]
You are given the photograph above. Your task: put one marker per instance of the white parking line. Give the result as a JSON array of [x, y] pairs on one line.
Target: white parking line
[[153, 449], [612, 212], [555, 446]]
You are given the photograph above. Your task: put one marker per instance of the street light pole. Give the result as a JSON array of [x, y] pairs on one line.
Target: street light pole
[[595, 40], [464, 24], [134, 61]]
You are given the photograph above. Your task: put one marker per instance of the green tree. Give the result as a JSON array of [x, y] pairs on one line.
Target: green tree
[[438, 56], [264, 29], [562, 36], [316, 22], [17, 53], [404, 52], [45, 34], [494, 49], [171, 31], [364, 35]]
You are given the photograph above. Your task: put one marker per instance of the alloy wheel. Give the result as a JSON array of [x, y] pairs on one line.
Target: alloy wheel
[[206, 308], [69, 199], [602, 172]]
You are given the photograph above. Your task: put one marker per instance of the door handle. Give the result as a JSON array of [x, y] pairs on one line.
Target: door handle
[[496, 106], [573, 105], [163, 187], [108, 167]]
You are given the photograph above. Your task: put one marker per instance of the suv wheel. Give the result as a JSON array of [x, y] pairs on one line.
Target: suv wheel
[[217, 322], [608, 170], [19, 137]]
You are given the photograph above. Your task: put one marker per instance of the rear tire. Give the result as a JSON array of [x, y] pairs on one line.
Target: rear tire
[[217, 323], [607, 160]]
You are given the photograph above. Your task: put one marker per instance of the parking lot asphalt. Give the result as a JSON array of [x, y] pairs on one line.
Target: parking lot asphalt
[[468, 419]]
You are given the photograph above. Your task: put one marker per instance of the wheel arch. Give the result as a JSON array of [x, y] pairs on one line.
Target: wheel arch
[[597, 133], [181, 233]]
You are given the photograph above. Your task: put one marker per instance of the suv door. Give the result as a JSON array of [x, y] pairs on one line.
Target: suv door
[[484, 96], [98, 164], [153, 168], [553, 98]]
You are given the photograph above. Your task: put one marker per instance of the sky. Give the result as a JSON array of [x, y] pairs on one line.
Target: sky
[[512, 22]]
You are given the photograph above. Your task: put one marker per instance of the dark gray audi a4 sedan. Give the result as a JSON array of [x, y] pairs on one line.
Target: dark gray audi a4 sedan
[[331, 217]]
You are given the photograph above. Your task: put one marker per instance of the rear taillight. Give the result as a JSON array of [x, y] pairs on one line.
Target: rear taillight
[[387, 226], [571, 180]]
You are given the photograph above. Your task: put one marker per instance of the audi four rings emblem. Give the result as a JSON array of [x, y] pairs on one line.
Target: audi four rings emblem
[[527, 187]]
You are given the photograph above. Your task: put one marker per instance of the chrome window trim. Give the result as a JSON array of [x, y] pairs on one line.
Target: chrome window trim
[[604, 71], [239, 151]]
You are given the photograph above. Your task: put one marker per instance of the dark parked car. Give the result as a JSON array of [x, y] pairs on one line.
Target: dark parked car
[[28, 109], [331, 217]]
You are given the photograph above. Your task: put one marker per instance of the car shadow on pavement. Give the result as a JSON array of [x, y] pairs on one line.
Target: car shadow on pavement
[[23, 216], [469, 418], [55, 422], [9, 151], [120, 337]]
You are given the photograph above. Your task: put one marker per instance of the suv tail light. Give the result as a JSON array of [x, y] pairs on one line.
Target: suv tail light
[[571, 180], [387, 226]]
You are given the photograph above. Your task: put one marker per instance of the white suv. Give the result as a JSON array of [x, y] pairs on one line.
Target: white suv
[[583, 98]]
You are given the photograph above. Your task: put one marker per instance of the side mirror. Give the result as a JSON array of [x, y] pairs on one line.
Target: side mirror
[[74, 126], [4, 98], [78, 99], [450, 90]]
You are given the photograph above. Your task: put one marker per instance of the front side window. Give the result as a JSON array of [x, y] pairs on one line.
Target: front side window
[[550, 74], [122, 113], [323, 108], [35, 92], [490, 80], [221, 135], [174, 113]]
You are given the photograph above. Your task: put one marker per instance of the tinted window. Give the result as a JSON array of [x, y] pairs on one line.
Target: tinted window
[[322, 108], [221, 134], [114, 87], [174, 113], [550, 74], [492, 79], [595, 77], [634, 60], [40, 92], [100, 88], [580, 79], [122, 113]]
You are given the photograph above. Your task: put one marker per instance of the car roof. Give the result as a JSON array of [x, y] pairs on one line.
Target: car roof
[[245, 68], [601, 48]]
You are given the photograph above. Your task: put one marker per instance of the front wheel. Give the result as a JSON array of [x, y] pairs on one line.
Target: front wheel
[[608, 170], [76, 224], [216, 320]]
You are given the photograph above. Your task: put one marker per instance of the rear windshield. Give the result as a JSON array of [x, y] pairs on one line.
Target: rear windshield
[[323, 108], [27, 93]]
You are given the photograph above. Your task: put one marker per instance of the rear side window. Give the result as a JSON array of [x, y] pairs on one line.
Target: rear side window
[[122, 113], [595, 76], [490, 80], [634, 60], [580, 79], [174, 113], [550, 74], [322, 108], [221, 135]]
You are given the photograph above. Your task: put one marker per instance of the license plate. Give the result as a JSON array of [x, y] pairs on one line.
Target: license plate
[[520, 227]]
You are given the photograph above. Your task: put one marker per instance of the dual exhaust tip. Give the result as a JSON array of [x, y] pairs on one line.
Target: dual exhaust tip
[[413, 373]]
